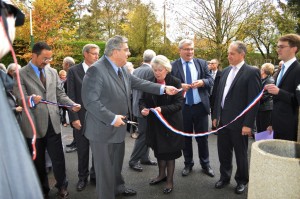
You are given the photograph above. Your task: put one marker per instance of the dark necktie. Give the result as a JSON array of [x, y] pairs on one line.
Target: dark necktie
[[120, 75], [42, 77], [189, 94]]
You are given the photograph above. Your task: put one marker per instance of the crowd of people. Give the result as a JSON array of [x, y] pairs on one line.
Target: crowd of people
[[101, 96]]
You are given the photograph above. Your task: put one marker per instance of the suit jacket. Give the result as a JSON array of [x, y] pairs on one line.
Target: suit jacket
[[142, 72], [203, 73], [285, 105], [105, 96], [244, 88], [31, 84], [74, 82], [158, 137], [214, 90]]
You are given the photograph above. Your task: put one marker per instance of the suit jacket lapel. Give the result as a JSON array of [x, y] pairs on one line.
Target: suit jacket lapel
[[80, 71], [197, 66], [48, 77], [113, 74], [237, 77], [33, 76], [180, 68], [286, 73], [223, 82]]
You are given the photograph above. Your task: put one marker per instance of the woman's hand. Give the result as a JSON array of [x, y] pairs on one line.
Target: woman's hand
[[145, 112]]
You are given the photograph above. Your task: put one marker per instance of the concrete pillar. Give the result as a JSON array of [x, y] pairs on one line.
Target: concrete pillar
[[274, 170]]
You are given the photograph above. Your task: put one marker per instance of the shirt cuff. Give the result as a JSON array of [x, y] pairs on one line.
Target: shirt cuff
[[114, 121], [162, 89]]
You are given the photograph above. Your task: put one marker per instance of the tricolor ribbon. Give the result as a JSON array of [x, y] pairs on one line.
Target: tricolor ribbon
[[32, 104], [197, 134]]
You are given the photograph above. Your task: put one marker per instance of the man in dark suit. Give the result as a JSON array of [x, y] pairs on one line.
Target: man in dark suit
[[285, 105], [75, 76], [40, 81], [140, 151], [197, 82], [239, 85], [106, 90], [213, 67]]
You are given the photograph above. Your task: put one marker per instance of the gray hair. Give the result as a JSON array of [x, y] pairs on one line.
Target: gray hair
[[88, 47], [161, 61], [113, 44], [12, 66], [148, 55], [185, 41], [2, 67], [69, 60], [241, 47]]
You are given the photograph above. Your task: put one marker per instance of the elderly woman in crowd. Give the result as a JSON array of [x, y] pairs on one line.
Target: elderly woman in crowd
[[263, 119], [167, 145]]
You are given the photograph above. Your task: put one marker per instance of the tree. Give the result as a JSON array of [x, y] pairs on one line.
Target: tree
[[142, 29], [294, 6], [263, 28], [216, 21]]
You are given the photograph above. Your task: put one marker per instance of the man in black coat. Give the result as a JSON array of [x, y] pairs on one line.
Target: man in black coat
[[285, 105], [239, 85], [74, 81]]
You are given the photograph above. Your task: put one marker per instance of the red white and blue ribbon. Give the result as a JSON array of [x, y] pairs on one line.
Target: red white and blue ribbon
[[32, 104], [199, 134]]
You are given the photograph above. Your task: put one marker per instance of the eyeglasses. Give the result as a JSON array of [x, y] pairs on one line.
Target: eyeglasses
[[124, 49], [212, 63], [47, 59], [281, 47], [95, 54], [188, 49]]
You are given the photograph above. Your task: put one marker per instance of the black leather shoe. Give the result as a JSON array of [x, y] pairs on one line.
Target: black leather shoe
[[240, 188], [81, 184], [186, 171], [149, 162], [208, 171], [154, 181], [129, 192], [167, 190], [136, 167], [63, 193], [93, 181], [221, 184]]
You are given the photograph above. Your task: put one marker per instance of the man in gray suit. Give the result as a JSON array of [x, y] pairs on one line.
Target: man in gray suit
[[106, 92], [141, 151], [40, 81]]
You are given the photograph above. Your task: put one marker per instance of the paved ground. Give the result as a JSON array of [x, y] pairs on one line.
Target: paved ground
[[195, 186]]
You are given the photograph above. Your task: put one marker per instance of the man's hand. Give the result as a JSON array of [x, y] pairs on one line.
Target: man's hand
[[158, 109], [19, 109], [270, 129], [119, 121], [214, 123], [145, 112], [198, 83], [76, 124], [76, 107], [272, 89], [171, 90], [36, 99], [185, 87], [246, 131]]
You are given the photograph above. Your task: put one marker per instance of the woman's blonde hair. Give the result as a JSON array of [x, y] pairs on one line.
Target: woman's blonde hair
[[163, 61]]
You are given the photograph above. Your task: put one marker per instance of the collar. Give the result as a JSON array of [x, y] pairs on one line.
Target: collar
[[147, 64], [115, 67], [289, 63], [85, 66], [183, 61]]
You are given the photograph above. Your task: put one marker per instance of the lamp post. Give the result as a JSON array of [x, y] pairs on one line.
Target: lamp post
[[29, 5]]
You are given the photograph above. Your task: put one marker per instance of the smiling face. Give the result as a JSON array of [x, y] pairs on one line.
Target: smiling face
[[187, 52], [42, 59]]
